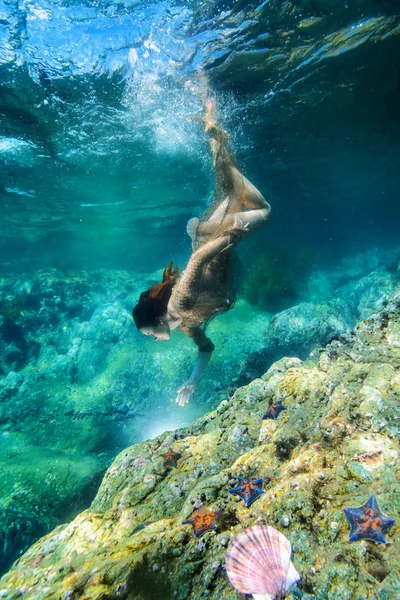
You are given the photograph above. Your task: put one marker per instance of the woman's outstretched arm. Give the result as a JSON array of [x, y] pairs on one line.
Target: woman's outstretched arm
[[206, 348]]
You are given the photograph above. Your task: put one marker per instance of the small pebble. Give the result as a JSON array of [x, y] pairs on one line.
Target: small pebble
[[156, 568], [285, 521], [201, 545], [216, 565], [322, 476], [223, 540], [334, 525]]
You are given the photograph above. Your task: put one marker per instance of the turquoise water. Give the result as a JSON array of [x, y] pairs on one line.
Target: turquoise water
[[103, 161]]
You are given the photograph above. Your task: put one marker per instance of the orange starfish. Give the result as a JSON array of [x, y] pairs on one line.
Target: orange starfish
[[203, 520], [170, 458]]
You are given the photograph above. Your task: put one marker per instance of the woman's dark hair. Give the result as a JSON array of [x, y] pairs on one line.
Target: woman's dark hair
[[153, 302]]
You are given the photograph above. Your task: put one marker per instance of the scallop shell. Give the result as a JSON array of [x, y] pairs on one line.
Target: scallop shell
[[258, 562]]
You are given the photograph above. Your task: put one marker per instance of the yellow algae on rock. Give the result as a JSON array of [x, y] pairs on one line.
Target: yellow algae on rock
[[267, 429], [395, 383], [372, 400], [379, 376]]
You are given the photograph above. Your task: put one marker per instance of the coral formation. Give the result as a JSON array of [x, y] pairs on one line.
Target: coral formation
[[335, 444]]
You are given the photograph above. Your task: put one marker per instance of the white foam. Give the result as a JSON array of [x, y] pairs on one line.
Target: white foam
[[19, 192]]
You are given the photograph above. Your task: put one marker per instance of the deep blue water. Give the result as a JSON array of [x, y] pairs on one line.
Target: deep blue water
[[101, 140]]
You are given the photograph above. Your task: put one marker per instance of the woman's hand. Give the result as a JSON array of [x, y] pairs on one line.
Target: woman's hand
[[239, 226], [185, 393]]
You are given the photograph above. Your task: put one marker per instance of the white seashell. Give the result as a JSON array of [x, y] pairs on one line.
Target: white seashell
[[258, 563]]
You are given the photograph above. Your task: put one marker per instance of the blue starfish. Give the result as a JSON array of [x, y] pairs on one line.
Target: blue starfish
[[248, 489], [367, 522], [274, 410]]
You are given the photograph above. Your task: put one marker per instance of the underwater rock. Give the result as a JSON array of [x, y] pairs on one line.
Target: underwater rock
[[108, 326], [370, 293], [303, 327], [298, 330], [322, 455], [308, 325], [356, 266]]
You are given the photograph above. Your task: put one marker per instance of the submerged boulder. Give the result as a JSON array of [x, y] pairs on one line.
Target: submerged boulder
[[298, 330], [370, 293], [309, 325], [335, 444]]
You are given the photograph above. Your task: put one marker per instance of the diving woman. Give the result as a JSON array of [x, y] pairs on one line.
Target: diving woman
[[206, 287]]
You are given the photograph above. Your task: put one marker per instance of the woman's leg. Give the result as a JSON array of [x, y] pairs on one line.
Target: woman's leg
[[234, 183], [259, 209], [251, 198]]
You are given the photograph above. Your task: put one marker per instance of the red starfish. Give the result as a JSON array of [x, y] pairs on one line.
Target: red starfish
[[170, 458], [203, 520]]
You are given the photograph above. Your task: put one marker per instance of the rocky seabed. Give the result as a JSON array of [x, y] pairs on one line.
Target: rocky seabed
[[335, 444]]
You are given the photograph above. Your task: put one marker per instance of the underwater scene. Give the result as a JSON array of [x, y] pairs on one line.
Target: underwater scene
[[199, 299]]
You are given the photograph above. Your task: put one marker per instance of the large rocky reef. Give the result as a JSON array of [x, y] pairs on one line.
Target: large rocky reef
[[336, 443]]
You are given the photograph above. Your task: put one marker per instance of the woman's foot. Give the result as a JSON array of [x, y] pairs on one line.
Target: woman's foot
[[214, 145], [217, 135], [211, 119]]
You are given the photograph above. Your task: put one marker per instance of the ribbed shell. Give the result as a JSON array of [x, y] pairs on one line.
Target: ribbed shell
[[258, 562]]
